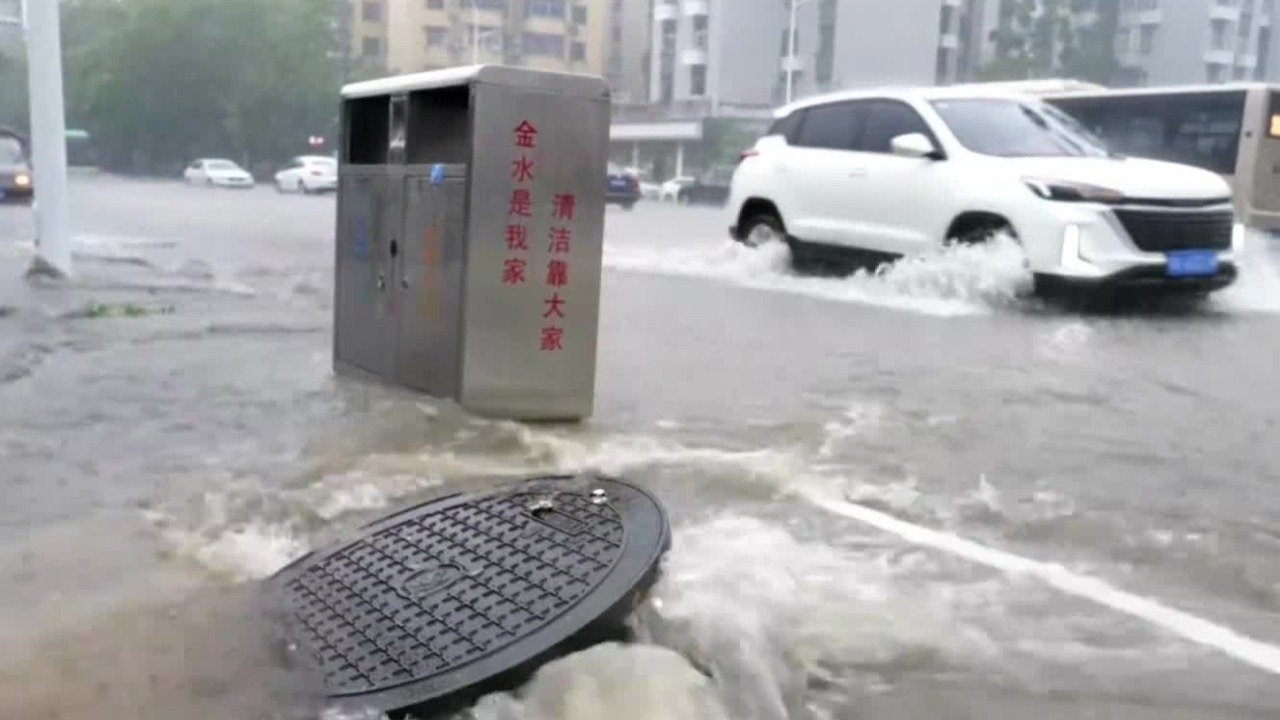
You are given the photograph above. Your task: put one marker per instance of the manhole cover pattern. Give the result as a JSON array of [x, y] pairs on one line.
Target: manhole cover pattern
[[495, 574]]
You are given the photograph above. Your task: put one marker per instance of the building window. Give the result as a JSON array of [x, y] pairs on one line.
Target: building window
[[371, 47], [700, 32], [698, 80], [578, 52], [1264, 53], [436, 36], [1147, 39], [824, 69], [435, 4], [786, 45], [371, 11], [553, 9], [1220, 30], [544, 44], [580, 14], [485, 4]]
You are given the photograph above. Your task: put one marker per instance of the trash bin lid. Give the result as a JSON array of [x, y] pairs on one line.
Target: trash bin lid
[[470, 593]]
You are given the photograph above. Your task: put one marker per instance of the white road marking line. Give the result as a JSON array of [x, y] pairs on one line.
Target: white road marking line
[[1198, 630]]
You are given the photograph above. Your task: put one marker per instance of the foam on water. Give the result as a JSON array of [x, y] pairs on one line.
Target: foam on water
[[1257, 289], [621, 682], [955, 280], [753, 619]]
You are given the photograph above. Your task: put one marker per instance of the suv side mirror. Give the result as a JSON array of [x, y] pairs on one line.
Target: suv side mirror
[[915, 145]]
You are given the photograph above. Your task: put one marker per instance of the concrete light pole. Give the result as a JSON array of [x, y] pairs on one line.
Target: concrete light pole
[[48, 136], [475, 32]]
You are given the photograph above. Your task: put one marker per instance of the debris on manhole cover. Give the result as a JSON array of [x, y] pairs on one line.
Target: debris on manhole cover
[[434, 606]]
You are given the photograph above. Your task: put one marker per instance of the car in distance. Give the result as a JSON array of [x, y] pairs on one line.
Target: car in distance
[[622, 187], [308, 174], [709, 188], [863, 178], [16, 184], [217, 172]]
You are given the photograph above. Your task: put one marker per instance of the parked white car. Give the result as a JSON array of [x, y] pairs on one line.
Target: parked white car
[[217, 172], [670, 190], [308, 174], [867, 177]]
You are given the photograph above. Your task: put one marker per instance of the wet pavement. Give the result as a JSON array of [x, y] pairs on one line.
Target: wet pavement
[[170, 428]]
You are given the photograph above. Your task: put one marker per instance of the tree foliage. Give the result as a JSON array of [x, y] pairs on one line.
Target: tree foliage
[[1048, 38], [158, 82]]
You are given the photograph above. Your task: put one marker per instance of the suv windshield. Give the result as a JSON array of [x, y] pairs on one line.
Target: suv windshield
[[11, 152], [1013, 128]]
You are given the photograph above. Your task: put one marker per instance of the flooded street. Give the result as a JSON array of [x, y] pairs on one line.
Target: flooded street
[[915, 495]]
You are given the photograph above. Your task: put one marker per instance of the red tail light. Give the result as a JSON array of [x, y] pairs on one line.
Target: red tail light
[[748, 154], [635, 182]]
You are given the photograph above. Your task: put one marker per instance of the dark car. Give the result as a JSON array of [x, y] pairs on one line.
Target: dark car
[[622, 187], [15, 172], [711, 188]]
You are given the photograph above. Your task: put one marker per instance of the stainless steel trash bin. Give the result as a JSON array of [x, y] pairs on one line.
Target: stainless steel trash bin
[[469, 237]]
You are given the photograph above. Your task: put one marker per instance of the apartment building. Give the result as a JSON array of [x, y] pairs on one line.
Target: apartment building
[[719, 52], [1196, 41], [630, 35], [401, 36], [857, 43]]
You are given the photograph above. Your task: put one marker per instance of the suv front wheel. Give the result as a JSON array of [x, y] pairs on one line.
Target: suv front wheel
[[762, 229]]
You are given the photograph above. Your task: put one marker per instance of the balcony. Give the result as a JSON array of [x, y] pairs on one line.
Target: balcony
[[1218, 11], [666, 10], [696, 7], [688, 109], [1142, 17], [949, 41], [1220, 57], [694, 56], [792, 64]]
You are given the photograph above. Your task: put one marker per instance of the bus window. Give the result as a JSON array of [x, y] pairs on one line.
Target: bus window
[[1209, 139], [1200, 129]]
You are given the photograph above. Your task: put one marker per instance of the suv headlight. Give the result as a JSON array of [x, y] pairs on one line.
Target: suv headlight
[[1072, 191]]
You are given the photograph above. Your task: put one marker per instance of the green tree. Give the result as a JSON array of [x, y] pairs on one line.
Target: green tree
[[13, 91], [158, 82], [1047, 38]]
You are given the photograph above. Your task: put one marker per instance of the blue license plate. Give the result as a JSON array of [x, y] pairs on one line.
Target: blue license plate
[[1192, 263]]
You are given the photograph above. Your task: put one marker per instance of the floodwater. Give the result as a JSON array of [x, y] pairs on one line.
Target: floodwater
[[913, 495]]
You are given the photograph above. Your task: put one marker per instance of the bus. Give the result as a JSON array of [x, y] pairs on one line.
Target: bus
[[1232, 130]]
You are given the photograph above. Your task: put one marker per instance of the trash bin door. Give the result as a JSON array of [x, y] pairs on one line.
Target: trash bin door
[[431, 281], [354, 288], [365, 334]]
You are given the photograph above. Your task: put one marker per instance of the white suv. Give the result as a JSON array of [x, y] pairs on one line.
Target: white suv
[[862, 178]]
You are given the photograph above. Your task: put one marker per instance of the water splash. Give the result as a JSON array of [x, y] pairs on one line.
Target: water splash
[[1257, 289], [810, 615], [953, 280], [622, 682]]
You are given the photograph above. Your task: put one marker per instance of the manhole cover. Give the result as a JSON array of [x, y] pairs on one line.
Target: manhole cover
[[468, 594]]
